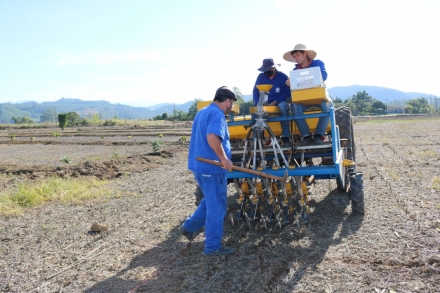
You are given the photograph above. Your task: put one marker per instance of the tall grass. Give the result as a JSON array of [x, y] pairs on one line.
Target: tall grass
[[70, 190]]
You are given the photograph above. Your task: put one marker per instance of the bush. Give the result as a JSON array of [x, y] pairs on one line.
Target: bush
[[157, 145], [109, 123]]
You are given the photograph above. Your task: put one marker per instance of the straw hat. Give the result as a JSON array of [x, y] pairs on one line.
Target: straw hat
[[299, 47]]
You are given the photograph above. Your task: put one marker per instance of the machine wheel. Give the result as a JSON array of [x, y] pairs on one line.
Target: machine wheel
[[356, 192], [345, 124]]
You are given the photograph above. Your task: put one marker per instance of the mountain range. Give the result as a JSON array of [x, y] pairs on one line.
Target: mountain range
[[108, 110], [385, 95]]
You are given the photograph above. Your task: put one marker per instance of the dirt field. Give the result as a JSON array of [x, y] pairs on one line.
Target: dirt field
[[394, 247]]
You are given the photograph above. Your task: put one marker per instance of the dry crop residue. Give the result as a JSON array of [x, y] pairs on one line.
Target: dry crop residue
[[394, 246]]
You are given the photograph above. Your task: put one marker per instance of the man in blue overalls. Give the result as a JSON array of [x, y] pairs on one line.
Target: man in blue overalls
[[210, 139]]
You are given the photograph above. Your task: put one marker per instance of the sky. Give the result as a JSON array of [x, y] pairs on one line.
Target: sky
[[145, 52]]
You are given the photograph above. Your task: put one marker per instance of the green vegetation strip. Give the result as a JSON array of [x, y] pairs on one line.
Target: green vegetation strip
[[70, 190]]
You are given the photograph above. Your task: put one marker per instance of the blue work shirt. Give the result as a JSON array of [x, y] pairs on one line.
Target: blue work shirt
[[209, 120], [315, 63], [279, 91]]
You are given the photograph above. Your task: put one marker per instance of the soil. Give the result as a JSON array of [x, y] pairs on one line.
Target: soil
[[393, 247]]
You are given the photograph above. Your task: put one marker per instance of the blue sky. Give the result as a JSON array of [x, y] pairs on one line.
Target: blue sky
[[149, 52]]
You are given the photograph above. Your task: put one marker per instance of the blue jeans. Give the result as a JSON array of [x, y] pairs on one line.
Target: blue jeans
[[211, 211], [303, 128], [285, 125]]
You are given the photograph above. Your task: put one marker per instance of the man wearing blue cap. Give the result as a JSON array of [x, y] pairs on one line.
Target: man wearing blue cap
[[210, 140], [277, 94]]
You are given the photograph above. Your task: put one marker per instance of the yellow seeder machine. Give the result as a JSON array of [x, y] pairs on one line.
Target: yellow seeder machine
[[272, 178]]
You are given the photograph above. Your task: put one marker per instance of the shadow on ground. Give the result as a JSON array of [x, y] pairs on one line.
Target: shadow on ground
[[265, 260]]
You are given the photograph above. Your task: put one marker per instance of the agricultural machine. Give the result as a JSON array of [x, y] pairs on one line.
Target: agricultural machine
[[272, 177]]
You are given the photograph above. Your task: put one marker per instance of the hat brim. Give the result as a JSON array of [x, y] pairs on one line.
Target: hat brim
[[267, 68], [289, 57]]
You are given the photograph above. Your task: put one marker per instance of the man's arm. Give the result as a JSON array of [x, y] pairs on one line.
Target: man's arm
[[216, 145], [322, 67], [285, 89]]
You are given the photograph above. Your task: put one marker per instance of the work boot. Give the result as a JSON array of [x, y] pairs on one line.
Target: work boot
[[185, 233], [318, 139], [307, 140], [224, 250]]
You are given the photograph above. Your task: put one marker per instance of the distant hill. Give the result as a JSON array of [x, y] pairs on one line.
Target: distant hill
[[385, 95], [107, 110]]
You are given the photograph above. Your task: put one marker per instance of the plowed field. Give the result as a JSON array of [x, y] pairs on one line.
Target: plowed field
[[393, 247]]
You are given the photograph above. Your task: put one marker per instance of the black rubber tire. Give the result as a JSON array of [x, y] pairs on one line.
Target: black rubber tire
[[356, 192], [345, 124]]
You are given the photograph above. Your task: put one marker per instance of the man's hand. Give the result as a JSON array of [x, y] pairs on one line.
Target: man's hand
[[215, 143], [288, 82], [227, 164]]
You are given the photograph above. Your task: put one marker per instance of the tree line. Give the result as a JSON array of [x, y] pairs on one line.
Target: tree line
[[361, 104]]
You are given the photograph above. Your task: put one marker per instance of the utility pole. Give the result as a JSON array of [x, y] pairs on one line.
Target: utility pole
[[386, 106]]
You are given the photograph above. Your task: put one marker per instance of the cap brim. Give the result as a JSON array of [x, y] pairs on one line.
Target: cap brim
[[264, 69]]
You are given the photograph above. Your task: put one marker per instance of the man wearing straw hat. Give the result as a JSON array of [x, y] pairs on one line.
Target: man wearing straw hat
[[305, 58]]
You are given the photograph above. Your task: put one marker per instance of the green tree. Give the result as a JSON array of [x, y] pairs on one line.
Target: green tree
[[179, 115], [362, 101], [419, 106], [378, 107], [193, 109], [238, 95], [244, 108], [337, 102], [22, 120], [62, 120], [48, 115], [73, 119], [164, 116], [95, 120]]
